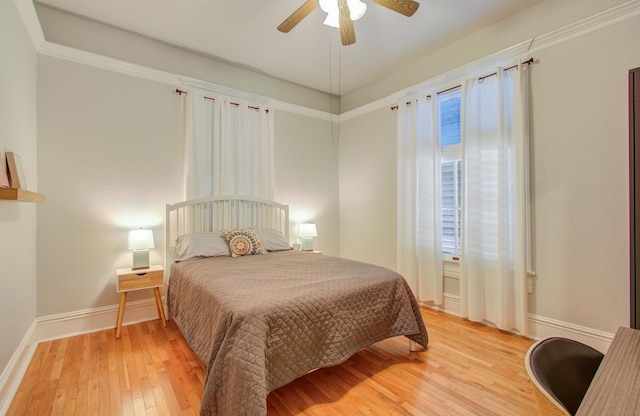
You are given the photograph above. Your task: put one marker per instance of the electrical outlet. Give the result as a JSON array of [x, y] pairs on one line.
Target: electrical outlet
[[530, 277]]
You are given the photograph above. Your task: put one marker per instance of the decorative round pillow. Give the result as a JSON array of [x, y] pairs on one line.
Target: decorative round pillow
[[240, 245], [243, 241]]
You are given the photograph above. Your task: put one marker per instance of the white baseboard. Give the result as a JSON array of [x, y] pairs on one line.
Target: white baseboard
[[65, 325], [16, 368], [91, 320], [540, 326], [451, 304]]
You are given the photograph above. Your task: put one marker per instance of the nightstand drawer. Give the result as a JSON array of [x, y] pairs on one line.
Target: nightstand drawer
[[148, 278], [139, 279]]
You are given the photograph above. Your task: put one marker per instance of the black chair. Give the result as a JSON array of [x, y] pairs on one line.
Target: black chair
[[561, 369]]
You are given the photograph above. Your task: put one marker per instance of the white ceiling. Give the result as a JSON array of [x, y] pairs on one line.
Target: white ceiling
[[244, 32]]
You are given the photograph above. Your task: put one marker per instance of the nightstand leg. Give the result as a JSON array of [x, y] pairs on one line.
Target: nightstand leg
[[123, 300], [156, 292]]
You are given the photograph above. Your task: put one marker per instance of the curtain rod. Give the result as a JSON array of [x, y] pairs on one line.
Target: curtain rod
[[180, 92], [527, 62]]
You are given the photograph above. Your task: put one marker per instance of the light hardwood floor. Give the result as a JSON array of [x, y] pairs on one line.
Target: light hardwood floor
[[469, 369]]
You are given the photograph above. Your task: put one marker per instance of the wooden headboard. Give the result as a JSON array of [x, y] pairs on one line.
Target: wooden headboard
[[217, 213]]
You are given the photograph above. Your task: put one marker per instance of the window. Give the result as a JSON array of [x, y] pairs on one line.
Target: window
[[451, 157]]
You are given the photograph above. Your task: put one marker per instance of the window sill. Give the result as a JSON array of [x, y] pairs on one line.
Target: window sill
[[451, 259], [451, 267]]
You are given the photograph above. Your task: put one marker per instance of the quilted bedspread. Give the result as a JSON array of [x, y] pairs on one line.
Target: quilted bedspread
[[258, 322]]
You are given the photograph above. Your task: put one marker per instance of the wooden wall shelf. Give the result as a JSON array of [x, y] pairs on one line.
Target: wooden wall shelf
[[15, 194]]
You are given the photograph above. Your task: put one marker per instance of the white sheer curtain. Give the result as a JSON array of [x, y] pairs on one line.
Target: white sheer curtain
[[493, 265], [228, 147], [419, 257]]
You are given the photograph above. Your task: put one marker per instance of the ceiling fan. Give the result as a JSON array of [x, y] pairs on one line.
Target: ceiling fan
[[344, 16]]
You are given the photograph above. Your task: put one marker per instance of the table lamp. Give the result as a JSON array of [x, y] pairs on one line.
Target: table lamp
[[307, 232], [140, 241]]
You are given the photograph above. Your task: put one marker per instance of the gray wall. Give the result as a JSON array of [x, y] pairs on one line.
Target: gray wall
[[306, 176], [580, 154], [368, 188], [111, 160], [18, 124]]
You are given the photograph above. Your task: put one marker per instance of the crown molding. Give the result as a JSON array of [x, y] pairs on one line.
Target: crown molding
[[475, 68], [31, 22], [376, 105], [305, 111], [219, 89], [443, 81], [588, 25], [104, 62], [116, 65], [272, 103]]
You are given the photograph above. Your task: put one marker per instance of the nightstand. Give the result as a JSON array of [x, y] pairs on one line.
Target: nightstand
[[130, 279]]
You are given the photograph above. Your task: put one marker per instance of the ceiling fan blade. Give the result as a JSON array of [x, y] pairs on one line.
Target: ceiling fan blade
[[297, 16], [347, 32], [405, 7]]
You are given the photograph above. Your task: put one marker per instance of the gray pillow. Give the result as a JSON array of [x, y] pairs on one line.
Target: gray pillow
[[190, 246], [273, 240]]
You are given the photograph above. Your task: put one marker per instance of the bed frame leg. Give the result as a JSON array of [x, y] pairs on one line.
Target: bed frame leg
[[413, 346]]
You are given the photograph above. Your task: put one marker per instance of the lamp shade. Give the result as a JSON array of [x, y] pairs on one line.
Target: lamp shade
[[307, 231], [140, 239]]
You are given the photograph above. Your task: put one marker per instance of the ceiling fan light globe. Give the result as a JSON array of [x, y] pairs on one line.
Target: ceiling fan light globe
[[329, 6], [356, 9], [333, 19]]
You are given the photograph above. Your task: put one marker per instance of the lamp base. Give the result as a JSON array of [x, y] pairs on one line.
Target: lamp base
[[307, 244], [140, 259]]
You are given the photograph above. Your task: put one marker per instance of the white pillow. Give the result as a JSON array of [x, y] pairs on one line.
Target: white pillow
[[198, 245], [273, 240]]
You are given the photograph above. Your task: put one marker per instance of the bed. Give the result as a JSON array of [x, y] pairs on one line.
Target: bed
[[260, 321]]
